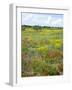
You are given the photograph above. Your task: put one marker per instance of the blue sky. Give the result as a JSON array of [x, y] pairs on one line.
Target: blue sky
[[54, 20]]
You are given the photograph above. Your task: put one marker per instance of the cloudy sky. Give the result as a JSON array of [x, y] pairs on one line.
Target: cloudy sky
[[55, 20]]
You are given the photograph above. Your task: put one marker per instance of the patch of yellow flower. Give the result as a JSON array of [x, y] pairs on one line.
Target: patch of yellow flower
[[42, 48], [58, 43]]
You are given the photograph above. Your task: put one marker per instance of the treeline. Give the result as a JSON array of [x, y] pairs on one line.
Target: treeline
[[37, 27]]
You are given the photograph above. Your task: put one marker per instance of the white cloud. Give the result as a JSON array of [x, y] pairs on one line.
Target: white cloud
[[49, 19], [27, 17], [38, 19], [57, 22], [54, 21]]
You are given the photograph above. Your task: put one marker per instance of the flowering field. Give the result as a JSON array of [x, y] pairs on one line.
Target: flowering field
[[41, 51]]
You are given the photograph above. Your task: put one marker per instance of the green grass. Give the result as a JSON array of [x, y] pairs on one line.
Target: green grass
[[42, 51]]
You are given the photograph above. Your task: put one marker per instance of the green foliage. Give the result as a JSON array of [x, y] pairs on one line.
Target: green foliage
[[42, 51]]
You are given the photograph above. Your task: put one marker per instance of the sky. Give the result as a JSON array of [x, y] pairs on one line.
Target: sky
[[53, 20]]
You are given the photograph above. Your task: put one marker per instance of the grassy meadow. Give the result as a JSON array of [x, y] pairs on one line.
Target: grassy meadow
[[41, 51]]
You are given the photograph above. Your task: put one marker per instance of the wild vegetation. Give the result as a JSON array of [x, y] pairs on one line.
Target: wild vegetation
[[41, 51]]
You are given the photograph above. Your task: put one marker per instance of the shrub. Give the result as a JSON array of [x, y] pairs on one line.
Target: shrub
[[55, 54], [39, 67]]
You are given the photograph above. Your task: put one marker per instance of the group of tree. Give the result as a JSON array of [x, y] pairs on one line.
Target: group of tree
[[37, 27]]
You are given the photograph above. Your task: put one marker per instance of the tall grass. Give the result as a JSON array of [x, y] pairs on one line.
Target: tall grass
[[42, 51]]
